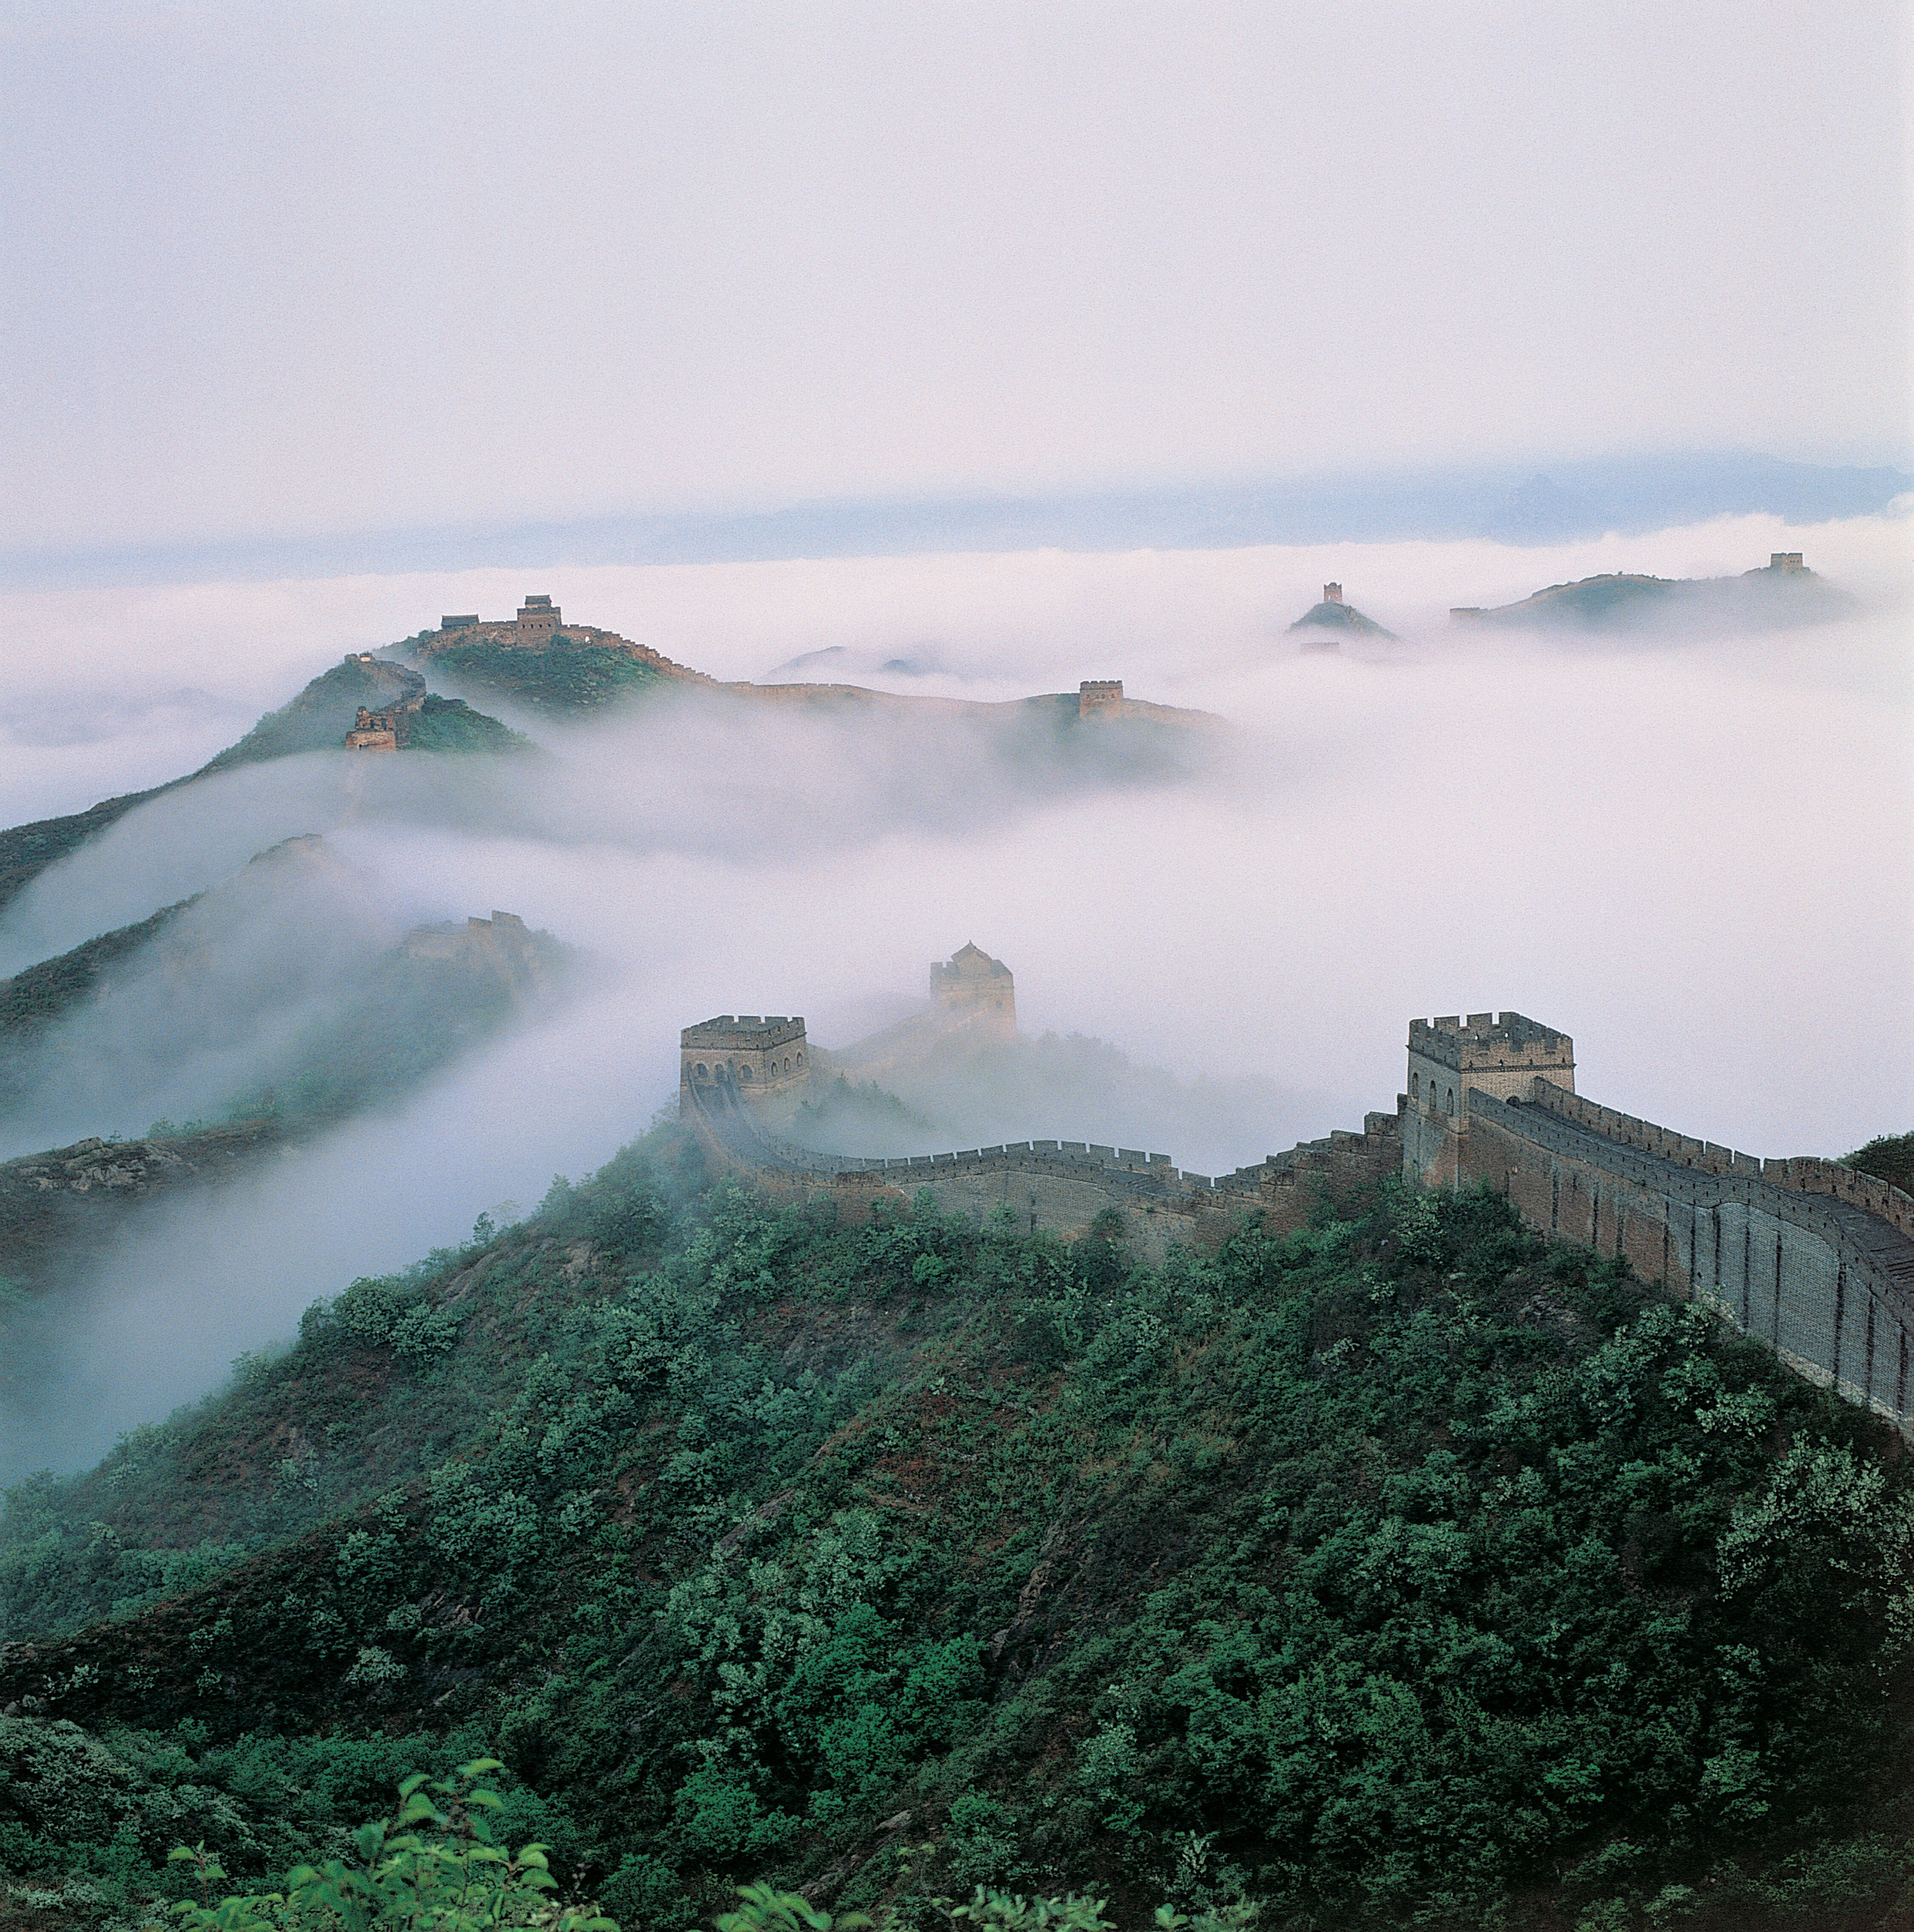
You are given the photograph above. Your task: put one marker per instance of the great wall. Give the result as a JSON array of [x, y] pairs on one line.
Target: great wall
[[1809, 1257], [539, 627]]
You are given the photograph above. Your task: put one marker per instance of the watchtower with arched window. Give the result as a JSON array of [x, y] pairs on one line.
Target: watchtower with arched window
[[744, 1052], [1488, 1053]]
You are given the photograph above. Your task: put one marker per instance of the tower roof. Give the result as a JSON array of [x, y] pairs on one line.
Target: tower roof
[[970, 958]]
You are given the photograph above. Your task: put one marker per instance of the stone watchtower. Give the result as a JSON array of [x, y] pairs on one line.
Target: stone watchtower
[[975, 992], [1502, 1055], [1486, 1053], [742, 1053], [1332, 593], [537, 618], [1103, 695]]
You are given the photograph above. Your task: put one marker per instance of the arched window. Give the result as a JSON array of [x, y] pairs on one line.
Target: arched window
[[703, 1072], [1415, 1086], [744, 1071], [1452, 1100], [800, 1056]]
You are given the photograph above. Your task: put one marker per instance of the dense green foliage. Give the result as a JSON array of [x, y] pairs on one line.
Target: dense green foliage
[[1401, 1569], [1890, 1158], [569, 675], [451, 724], [427, 1869]]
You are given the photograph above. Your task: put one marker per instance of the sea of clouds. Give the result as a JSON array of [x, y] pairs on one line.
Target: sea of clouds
[[1693, 852]]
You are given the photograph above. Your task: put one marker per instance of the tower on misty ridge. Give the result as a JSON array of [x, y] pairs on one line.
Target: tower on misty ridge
[[975, 992]]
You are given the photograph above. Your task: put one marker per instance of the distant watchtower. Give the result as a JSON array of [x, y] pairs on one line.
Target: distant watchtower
[[742, 1052], [975, 992], [538, 617], [1487, 1053], [1786, 563], [1332, 593], [1103, 694]]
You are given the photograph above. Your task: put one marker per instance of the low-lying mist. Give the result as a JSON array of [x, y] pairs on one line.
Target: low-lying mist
[[1692, 853]]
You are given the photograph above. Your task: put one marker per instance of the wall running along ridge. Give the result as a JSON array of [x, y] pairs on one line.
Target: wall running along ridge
[[1806, 1255], [1059, 1186]]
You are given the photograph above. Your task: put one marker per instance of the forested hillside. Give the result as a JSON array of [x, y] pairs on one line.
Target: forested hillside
[[1400, 1571]]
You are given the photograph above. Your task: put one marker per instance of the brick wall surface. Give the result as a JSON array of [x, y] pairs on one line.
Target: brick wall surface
[[1826, 1280]]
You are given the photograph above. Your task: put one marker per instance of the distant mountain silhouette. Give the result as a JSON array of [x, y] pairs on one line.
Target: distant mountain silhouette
[[1508, 502], [1541, 511]]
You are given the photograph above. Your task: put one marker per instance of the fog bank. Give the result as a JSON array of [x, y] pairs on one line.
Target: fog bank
[[1692, 854]]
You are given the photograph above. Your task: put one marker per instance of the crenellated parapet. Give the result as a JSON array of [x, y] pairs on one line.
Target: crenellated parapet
[[1499, 1054], [1058, 1185], [1798, 1174], [1807, 1254], [748, 1052]]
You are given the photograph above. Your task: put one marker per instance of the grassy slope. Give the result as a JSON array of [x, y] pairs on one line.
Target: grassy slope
[[451, 724], [568, 675], [27, 851], [1399, 1568], [423, 1015], [319, 717]]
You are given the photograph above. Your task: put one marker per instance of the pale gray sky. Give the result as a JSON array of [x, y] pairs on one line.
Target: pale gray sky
[[308, 267]]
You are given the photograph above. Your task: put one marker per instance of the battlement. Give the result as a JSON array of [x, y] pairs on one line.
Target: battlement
[[1490, 1040], [1798, 1174], [502, 946], [749, 1052], [1449, 1058], [538, 617], [1095, 694], [746, 1030]]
